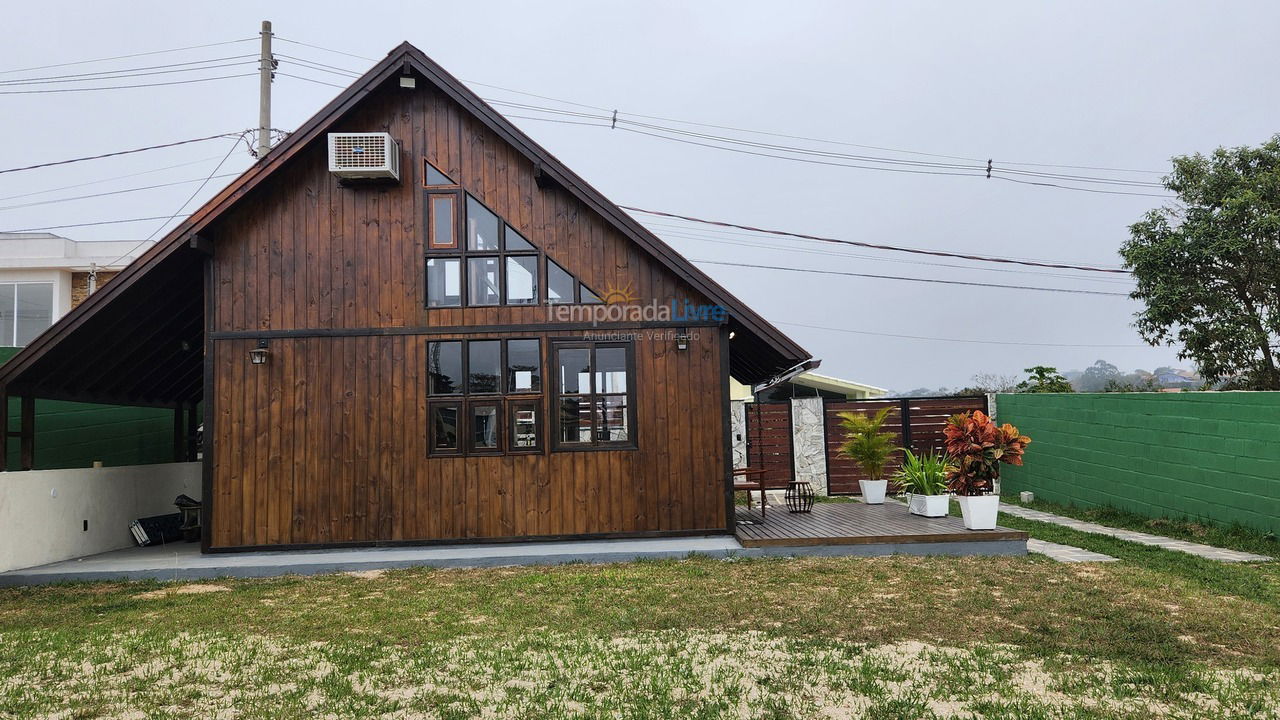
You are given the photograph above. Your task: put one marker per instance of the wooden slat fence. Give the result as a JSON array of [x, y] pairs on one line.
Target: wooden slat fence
[[769, 441], [915, 422]]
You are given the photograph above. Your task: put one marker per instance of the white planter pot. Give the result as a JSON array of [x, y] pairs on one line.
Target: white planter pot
[[979, 511], [873, 491], [929, 505]]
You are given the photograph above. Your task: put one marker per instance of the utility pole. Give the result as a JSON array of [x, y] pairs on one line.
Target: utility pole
[[266, 68]]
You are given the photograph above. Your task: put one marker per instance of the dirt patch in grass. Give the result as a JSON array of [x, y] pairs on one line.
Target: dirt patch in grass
[[188, 589]]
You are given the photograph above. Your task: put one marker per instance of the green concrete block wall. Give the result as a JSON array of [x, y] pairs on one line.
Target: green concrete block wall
[[1208, 456], [72, 435]]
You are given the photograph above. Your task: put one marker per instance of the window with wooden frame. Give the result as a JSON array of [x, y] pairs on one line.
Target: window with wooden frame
[[594, 397], [477, 259], [484, 396]]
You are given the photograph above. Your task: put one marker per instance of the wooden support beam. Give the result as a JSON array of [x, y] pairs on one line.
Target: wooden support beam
[[193, 421], [4, 430], [28, 439], [179, 438]]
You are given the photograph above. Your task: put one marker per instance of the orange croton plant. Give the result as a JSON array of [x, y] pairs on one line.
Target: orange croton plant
[[977, 446]]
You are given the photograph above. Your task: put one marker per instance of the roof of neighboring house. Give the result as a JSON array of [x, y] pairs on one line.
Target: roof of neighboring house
[[826, 382], [46, 251], [171, 268]]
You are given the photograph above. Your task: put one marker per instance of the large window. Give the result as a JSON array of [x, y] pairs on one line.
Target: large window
[[26, 310], [484, 396], [594, 395], [477, 259]]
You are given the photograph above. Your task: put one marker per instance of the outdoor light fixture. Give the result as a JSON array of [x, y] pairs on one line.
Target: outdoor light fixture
[[731, 334], [259, 355], [682, 340]]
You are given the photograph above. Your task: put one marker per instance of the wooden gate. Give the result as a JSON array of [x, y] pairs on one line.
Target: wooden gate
[[769, 441], [915, 422]]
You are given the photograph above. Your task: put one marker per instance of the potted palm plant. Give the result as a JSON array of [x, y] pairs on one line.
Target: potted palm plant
[[977, 446], [924, 478], [871, 449]]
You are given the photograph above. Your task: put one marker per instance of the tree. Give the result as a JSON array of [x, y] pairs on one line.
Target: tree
[[993, 383], [1096, 377], [1209, 271], [1044, 379]]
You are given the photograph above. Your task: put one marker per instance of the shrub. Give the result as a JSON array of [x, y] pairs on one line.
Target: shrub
[[977, 446], [865, 444], [924, 474]]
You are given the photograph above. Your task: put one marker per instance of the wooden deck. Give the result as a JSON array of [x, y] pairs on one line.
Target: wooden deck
[[857, 524]]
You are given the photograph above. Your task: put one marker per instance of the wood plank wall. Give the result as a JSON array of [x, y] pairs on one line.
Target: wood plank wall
[[326, 444]]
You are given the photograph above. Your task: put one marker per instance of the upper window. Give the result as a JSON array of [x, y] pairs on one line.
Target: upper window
[[475, 259], [26, 310], [595, 395], [433, 177]]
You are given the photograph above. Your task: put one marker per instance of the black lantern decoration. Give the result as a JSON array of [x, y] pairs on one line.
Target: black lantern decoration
[[682, 340], [799, 496], [259, 355]]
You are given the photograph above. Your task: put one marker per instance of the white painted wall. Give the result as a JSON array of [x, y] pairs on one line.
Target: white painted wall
[[42, 512]]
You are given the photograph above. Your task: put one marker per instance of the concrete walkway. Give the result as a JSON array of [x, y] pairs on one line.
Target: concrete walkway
[[1205, 551], [183, 561], [1065, 553]]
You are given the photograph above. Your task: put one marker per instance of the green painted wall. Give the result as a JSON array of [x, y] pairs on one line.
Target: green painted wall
[[75, 434], [1211, 456]]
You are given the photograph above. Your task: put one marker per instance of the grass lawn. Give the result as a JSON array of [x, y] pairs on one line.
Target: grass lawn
[[1158, 634], [1235, 537]]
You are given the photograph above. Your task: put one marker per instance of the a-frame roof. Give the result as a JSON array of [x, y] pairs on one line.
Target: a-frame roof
[[760, 351]]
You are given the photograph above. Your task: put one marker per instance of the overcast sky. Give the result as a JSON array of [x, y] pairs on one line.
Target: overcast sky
[[1115, 85]]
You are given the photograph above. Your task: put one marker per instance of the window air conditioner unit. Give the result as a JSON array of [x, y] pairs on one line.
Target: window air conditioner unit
[[364, 156]]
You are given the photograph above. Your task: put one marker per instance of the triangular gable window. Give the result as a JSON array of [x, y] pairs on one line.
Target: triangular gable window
[[479, 260], [433, 177]]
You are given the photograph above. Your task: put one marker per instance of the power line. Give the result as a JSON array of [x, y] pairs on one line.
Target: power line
[[910, 279], [108, 193], [183, 206], [331, 50], [86, 224], [956, 340], [122, 152], [878, 246], [123, 57], [122, 77], [684, 234], [898, 165], [310, 80], [125, 87], [116, 177], [90, 76]]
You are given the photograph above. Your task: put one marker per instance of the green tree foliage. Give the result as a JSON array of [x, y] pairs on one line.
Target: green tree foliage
[[1097, 376], [1209, 269], [1044, 379]]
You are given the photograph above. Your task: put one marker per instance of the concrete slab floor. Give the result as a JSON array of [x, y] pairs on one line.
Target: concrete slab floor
[[184, 561]]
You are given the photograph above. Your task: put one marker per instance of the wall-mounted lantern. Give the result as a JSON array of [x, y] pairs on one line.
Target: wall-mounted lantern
[[682, 340], [259, 355]]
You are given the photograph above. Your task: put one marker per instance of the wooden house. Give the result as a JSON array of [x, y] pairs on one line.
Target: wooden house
[[475, 350]]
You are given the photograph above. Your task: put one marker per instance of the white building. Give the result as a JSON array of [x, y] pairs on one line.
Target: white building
[[43, 276]]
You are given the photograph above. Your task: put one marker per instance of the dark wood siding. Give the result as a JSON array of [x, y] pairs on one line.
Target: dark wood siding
[[326, 443]]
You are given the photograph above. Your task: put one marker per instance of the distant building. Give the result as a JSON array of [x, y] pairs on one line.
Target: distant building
[[44, 276], [1175, 380], [809, 384]]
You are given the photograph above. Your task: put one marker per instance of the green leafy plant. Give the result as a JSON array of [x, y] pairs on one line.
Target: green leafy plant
[[977, 446], [865, 443], [924, 474]]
